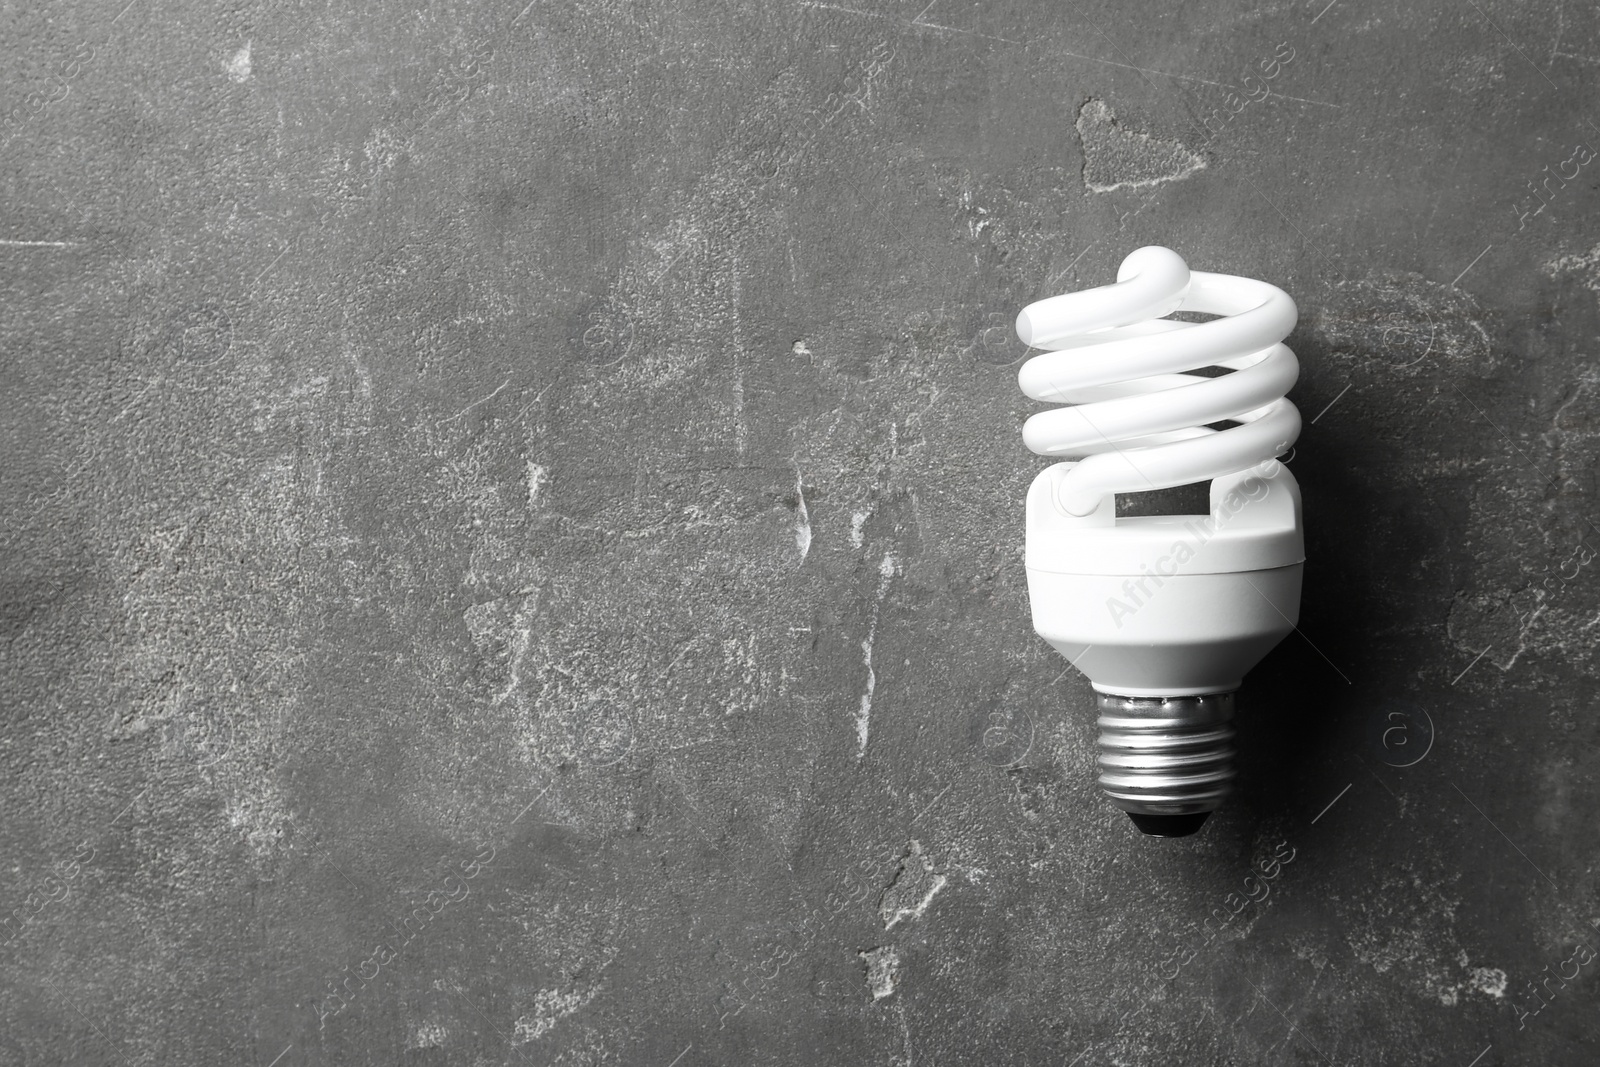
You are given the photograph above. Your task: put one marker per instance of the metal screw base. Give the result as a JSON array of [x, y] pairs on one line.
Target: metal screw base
[[1166, 761]]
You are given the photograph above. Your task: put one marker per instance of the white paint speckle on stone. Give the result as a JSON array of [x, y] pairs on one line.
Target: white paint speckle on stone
[[238, 66], [802, 525], [864, 712], [913, 889], [1490, 981], [1118, 158], [550, 1006], [883, 967], [428, 1035], [537, 476]]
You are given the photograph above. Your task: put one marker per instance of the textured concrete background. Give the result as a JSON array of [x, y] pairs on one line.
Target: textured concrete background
[[513, 546]]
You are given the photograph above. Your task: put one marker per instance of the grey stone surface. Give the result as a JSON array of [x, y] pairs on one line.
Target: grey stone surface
[[513, 548]]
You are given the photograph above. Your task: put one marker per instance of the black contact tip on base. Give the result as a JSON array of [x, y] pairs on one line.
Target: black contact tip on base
[[1169, 825]]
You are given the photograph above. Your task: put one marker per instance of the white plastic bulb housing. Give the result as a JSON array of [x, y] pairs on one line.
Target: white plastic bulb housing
[[1164, 614]]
